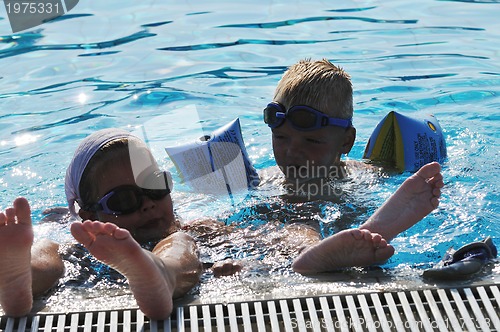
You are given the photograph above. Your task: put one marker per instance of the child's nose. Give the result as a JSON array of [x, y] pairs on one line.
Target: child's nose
[[147, 204], [295, 149]]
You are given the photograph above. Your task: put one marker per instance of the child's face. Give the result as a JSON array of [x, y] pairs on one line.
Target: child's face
[[308, 154], [152, 221]]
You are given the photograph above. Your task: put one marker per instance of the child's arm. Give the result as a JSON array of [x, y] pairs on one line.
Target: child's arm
[[178, 254]]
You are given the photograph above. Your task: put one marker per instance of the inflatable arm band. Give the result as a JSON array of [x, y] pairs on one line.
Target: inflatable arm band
[[406, 143], [216, 163]]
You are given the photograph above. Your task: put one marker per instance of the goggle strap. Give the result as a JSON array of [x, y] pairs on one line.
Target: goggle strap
[[344, 123], [280, 115]]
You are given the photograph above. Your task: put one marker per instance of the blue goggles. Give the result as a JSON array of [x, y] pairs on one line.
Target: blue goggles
[[301, 117], [128, 199]]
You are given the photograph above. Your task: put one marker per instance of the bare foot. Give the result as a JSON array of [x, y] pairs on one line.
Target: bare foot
[[414, 199], [348, 248], [149, 281], [16, 239]]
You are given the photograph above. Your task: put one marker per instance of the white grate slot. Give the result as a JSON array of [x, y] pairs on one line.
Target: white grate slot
[[313, 315], [233, 322], [368, 323], [259, 315], [74, 322], [465, 320], [22, 324], [479, 320], [410, 318], [48, 323], [219, 316], [61, 323], [493, 319], [299, 315], [35, 324], [180, 319], [496, 294], [113, 318], [193, 316], [101, 319], [438, 319], [10, 325], [245, 312], [398, 323], [127, 321], [139, 322], [450, 313], [207, 326], [286, 315], [381, 318], [354, 320], [325, 310], [341, 320], [273, 316], [424, 319]]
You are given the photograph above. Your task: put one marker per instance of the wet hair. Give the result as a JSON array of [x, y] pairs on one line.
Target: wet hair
[[318, 84]]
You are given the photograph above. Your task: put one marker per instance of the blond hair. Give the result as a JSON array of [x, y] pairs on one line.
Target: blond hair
[[318, 84]]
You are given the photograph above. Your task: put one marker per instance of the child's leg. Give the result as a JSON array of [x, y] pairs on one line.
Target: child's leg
[[16, 238], [26, 269], [414, 199], [153, 280], [348, 248], [47, 266]]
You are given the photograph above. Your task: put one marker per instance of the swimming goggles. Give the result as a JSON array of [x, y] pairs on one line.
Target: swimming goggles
[[127, 199], [301, 117]]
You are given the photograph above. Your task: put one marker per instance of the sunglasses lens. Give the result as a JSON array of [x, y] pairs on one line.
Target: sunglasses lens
[[303, 119], [160, 181], [155, 194], [125, 200], [269, 116], [129, 198]]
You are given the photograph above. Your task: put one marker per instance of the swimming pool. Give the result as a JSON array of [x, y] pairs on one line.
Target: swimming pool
[[109, 65]]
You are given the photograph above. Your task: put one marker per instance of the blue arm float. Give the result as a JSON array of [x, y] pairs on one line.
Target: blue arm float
[[406, 143], [216, 163]]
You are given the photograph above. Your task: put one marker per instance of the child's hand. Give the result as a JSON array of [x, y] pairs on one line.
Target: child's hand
[[226, 267]]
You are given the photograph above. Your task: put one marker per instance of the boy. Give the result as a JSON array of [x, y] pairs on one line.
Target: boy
[[311, 122]]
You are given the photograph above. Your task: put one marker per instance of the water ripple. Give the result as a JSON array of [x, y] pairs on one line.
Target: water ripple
[[14, 51], [472, 1], [68, 17], [277, 24], [199, 47]]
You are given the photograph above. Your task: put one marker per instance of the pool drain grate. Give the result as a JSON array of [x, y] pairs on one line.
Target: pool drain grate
[[453, 309]]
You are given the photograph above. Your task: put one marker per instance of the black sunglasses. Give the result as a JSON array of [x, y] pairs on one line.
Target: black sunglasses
[[127, 199]]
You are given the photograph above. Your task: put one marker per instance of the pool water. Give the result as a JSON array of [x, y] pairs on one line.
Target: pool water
[[122, 64]]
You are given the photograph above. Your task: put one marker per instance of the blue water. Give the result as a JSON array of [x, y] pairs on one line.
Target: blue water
[[122, 64]]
